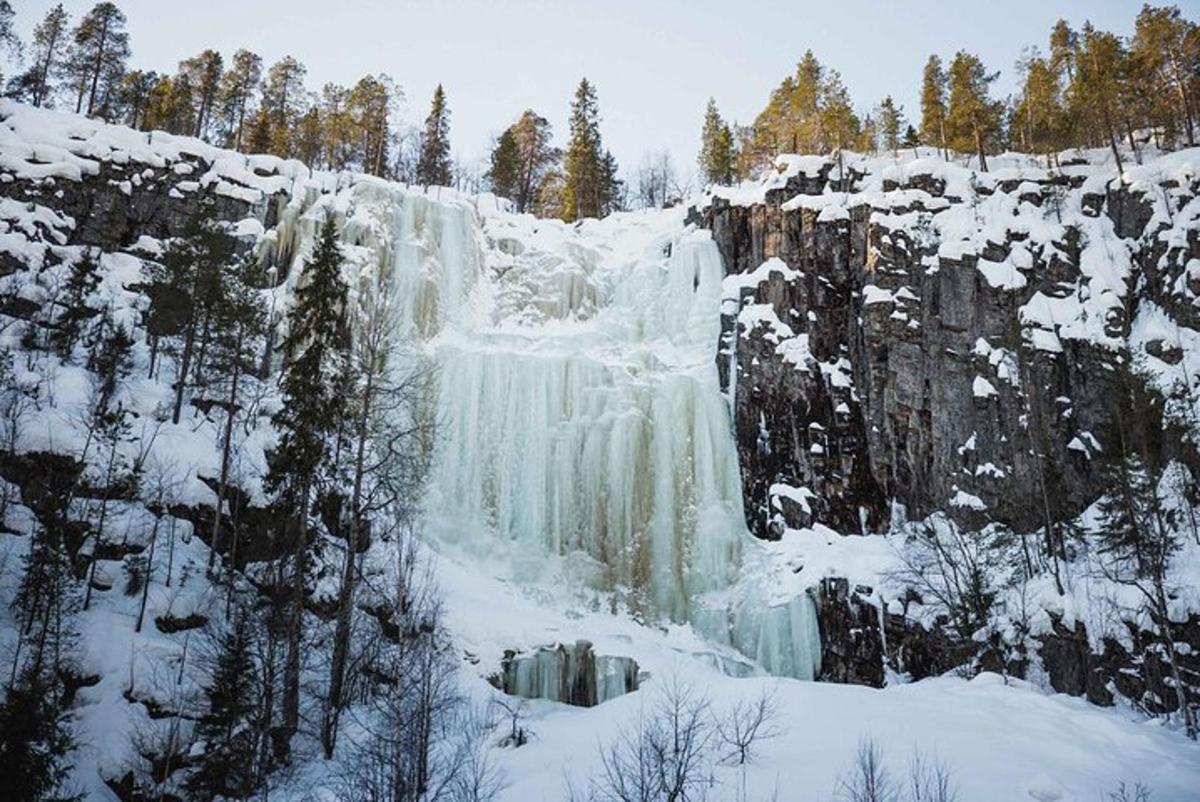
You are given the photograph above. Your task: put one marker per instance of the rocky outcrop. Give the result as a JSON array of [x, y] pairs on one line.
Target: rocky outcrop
[[914, 346], [851, 642]]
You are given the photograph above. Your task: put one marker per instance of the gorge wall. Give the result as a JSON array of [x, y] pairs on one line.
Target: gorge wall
[[898, 338], [907, 337], [912, 331]]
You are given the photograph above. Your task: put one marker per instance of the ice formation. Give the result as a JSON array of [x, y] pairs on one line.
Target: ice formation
[[580, 421], [569, 673]]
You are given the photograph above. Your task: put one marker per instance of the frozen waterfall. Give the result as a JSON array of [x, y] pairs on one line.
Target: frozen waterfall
[[582, 435]]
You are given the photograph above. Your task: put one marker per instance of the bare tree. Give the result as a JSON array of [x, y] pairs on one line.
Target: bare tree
[[421, 741], [867, 779], [747, 723], [952, 570], [656, 180], [514, 709], [1124, 793], [164, 481], [388, 430], [667, 756], [929, 780]]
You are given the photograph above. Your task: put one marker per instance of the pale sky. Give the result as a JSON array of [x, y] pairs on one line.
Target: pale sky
[[654, 62]]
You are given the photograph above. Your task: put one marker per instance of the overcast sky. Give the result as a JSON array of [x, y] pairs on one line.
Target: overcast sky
[[654, 62]]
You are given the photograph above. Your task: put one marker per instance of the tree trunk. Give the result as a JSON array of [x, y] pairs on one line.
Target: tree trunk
[[291, 666], [979, 148], [225, 448], [341, 638], [99, 64], [185, 362], [112, 459], [149, 570], [1184, 105]]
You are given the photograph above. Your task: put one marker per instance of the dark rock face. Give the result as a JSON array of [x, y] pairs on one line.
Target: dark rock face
[[111, 214], [851, 643], [870, 389], [871, 366], [1070, 665]]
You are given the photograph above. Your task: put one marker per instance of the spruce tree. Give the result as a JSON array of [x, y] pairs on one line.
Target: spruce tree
[[188, 286], [312, 407], [433, 166], [68, 326], [260, 136], [240, 320], [229, 730], [891, 123], [591, 187], [35, 739], [504, 174], [716, 147]]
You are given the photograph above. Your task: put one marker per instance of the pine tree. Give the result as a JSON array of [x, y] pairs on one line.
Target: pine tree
[[307, 140], [1040, 117], [1064, 48], [369, 106], [137, 90], [933, 105], [521, 157], [283, 100], [433, 167], [239, 85], [10, 43], [891, 122], [47, 53], [1168, 46], [99, 50], [229, 730], [1098, 87], [204, 73], [716, 147], [311, 410], [972, 117]]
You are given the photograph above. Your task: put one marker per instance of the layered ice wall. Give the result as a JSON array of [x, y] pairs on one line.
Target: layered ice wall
[[583, 440], [585, 418]]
